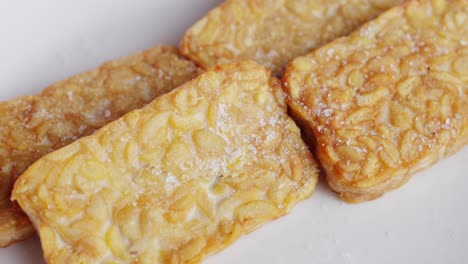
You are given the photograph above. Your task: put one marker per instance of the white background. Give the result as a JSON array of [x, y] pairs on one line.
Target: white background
[[426, 221]]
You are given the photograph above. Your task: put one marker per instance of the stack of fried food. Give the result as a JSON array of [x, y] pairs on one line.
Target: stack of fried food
[[168, 156]]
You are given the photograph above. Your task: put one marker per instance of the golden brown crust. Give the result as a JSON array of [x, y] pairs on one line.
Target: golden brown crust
[[175, 181], [273, 32], [387, 101], [32, 126]]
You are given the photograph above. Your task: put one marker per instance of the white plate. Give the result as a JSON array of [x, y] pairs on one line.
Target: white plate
[[423, 222]]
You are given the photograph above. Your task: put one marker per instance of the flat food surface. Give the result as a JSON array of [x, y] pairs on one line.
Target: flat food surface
[[422, 222], [388, 100], [273, 32]]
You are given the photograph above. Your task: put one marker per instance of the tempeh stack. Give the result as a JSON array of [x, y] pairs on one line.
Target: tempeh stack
[[175, 181]]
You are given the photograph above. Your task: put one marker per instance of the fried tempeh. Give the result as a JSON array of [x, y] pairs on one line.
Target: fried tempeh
[[387, 101], [273, 32], [32, 126], [175, 181]]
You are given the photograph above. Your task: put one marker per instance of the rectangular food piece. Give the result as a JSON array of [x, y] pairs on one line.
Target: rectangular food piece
[[273, 32], [388, 100], [32, 126], [175, 181]]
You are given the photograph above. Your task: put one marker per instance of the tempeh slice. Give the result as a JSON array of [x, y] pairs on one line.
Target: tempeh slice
[[32, 126], [273, 32], [387, 101], [175, 181]]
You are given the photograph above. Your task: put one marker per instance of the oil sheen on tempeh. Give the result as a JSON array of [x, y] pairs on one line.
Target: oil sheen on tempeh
[[387, 101]]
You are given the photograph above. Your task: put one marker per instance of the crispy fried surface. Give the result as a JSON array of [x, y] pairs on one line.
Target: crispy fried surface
[[388, 100], [273, 32], [33, 126], [177, 180]]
